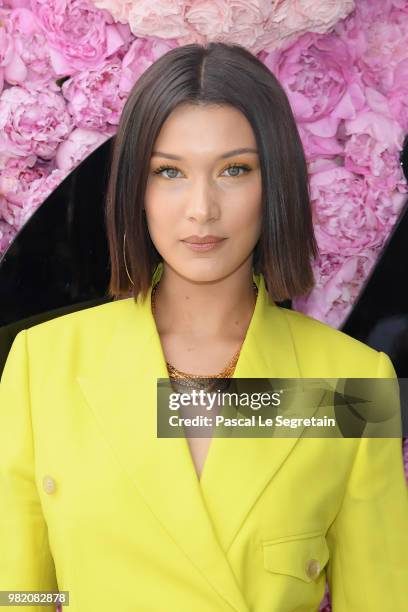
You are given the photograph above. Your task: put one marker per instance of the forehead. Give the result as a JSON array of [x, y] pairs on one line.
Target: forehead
[[201, 130]]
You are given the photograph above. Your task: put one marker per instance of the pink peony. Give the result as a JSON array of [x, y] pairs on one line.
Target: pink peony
[[79, 144], [30, 63], [255, 24], [6, 46], [289, 20], [318, 77], [372, 148], [162, 19], [119, 9], [93, 96], [17, 214], [7, 234], [41, 188], [7, 162], [323, 89], [350, 215], [79, 35], [17, 3], [141, 54], [381, 26], [32, 122], [317, 146], [16, 177], [240, 21], [338, 284]]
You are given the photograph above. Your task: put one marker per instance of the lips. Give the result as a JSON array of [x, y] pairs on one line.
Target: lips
[[205, 244], [203, 239]]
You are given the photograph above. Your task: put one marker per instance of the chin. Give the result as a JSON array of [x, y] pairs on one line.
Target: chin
[[198, 273]]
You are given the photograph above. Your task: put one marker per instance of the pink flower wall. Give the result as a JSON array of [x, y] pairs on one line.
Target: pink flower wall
[[67, 67]]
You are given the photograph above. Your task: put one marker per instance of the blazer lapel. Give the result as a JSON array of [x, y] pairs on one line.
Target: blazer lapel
[[201, 516], [122, 396], [237, 470]]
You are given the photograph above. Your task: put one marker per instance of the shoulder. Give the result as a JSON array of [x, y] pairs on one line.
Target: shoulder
[[90, 324], [64, 339], [78, 317], [307, 326], [319, 343]]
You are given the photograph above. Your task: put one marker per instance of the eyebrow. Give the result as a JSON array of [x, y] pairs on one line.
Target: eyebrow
[[223, 156]]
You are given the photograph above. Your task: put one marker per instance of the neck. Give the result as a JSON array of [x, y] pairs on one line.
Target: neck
[[205, 309]]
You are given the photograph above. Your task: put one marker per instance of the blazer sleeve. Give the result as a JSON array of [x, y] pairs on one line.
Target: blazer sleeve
[[25, 557], [368, 540]]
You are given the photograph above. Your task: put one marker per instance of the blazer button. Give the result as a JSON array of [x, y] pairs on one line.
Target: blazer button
[[49, 484], [313, 568]]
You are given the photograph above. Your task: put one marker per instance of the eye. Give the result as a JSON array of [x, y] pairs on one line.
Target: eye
[[161, 169], [239, 167], [243, 167]]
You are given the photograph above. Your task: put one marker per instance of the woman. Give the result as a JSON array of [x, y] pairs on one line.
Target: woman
[[209, 225]]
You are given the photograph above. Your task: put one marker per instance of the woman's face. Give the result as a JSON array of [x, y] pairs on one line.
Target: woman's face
[[207, 190]]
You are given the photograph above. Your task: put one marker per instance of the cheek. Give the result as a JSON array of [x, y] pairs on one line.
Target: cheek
[[246, 215], [161, 214]]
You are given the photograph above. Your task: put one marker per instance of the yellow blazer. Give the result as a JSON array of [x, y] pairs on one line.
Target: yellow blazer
[[92, 502]]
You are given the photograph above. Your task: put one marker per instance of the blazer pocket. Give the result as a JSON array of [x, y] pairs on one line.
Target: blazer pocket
[[303, 556]]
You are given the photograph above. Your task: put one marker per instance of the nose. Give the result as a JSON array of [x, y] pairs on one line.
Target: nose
[[202, 201]]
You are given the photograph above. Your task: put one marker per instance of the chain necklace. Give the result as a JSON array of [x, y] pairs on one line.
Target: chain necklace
[[174, 373]]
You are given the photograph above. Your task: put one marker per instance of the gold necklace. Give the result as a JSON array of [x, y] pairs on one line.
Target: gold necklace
[[179, 374]]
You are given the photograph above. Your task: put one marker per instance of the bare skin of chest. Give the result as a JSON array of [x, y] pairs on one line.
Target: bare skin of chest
[[199, 356]]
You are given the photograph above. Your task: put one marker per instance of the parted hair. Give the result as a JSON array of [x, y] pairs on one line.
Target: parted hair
[[212, 74]]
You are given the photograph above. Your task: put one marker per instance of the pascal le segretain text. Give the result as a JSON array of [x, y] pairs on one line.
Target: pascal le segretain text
[[254, 420]]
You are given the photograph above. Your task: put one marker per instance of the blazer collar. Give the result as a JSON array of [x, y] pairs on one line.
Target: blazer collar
[[122, 397]]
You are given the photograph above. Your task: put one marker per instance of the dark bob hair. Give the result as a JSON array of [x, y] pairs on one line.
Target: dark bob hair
[[212, 74]]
